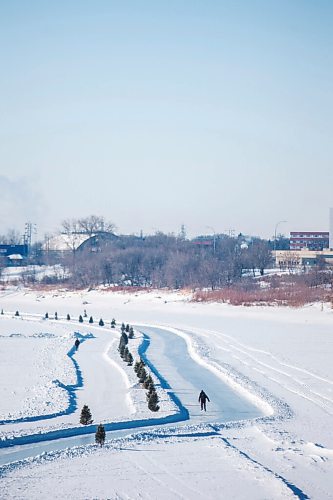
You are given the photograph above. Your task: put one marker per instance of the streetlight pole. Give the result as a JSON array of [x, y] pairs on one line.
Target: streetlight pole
[[214, 238], [276, 226]]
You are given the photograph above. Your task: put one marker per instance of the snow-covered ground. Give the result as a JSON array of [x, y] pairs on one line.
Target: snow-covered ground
[[17, 274], [280, 359]]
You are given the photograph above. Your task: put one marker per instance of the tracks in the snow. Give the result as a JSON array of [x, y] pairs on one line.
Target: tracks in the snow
[[292, 378]]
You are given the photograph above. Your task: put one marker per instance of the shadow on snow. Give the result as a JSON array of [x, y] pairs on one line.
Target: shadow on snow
[[180, 415], [71, 390]]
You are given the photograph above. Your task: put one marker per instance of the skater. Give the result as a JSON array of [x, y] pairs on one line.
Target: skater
[[77, 343], [202, 399]]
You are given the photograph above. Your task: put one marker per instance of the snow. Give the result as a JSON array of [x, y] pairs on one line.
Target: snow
[[277, 359], [166, 468], [34, 392], [17, 273]]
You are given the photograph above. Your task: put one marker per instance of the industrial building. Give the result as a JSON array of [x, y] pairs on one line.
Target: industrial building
[[293, 259]]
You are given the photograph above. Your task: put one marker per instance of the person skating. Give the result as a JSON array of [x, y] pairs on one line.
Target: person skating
[[77, 343], [203, 398]]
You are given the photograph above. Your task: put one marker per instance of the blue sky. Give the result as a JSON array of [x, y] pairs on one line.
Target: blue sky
[[157, 114]]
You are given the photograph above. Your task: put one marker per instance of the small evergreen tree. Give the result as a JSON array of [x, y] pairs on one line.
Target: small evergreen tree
[[85, 418], [17, 313], [122, 328], [138, 367], [126, 353], [68, 317], [151, 389], [148, 382], [129, 359], [101, 322], [124, 338], [152, 402], [123, 342], [100, 435], [121, 345], [113, 323], [122, 350], [80, 319], [46, 316], [55, 315], [1, 311], [91, 319], [143, 375], [131, 333], [127, 328], [139, 370]]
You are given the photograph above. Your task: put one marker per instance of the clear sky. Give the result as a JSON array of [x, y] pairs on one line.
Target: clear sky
[[210, 113]]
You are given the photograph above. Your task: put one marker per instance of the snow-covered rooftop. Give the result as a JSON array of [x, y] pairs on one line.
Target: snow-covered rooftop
[[63, 242], [15, 256]]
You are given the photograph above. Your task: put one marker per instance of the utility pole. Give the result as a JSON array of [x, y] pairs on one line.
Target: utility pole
[[230, 232], [29, 228], [214, 238], [276, 226], [182, 234]]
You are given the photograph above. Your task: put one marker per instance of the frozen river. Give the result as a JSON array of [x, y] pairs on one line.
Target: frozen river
[[166, 354]]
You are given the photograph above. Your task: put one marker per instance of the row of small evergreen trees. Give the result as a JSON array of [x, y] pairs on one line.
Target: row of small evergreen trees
[[16, 313], [86, 416], [86, 419], [146, 380], [127, 328], [127, 332], [91, 319], [139, 367]]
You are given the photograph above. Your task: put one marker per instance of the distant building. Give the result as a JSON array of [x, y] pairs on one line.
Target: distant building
[[66, 243], [15, 259], [311, 240], [14, 254], [295, 259], [331, 229], [97, 242], [205, 241]]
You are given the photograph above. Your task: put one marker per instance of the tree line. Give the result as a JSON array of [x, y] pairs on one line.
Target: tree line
[[162, 260], [159, 260]]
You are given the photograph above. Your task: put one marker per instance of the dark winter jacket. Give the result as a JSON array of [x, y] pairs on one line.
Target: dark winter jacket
[[203, 396]]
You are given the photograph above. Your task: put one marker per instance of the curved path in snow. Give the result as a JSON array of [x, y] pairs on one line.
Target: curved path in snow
[[169, 353], [167, 356], [182, 378]]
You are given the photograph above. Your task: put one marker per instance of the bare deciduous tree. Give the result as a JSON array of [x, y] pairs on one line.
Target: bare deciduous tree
[[259, 255], [71, 228], [95, 224], [13, 237]]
